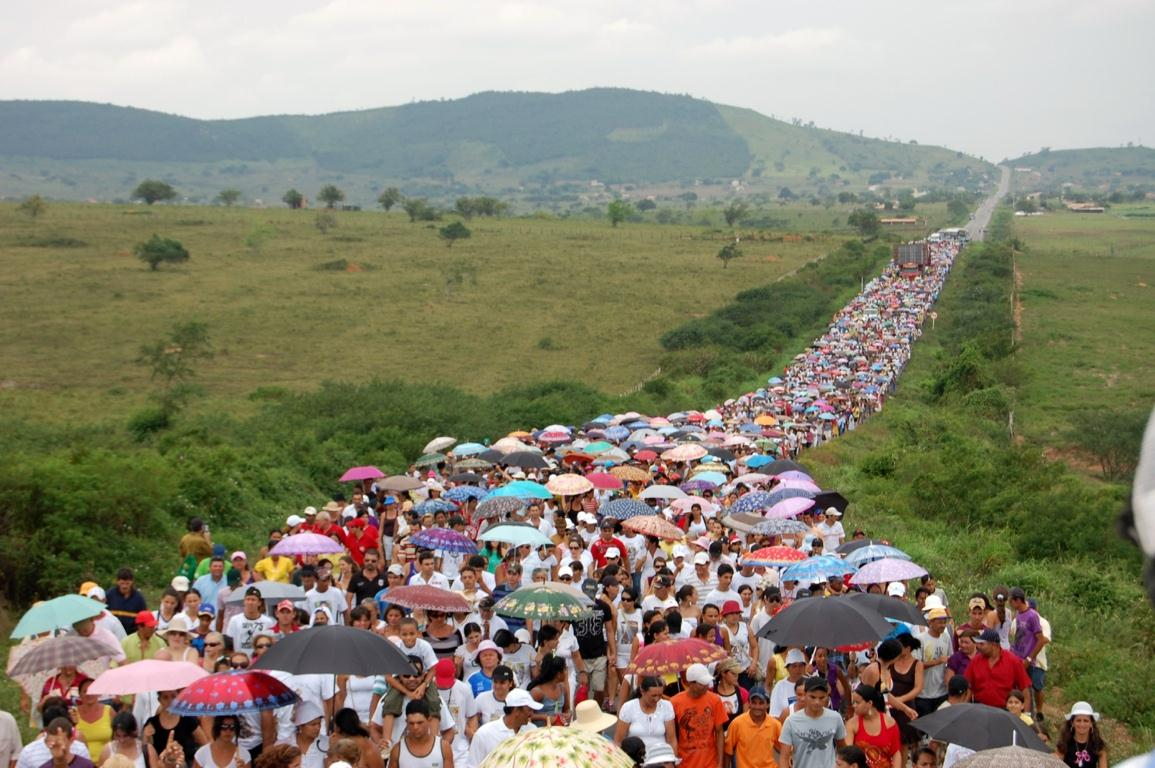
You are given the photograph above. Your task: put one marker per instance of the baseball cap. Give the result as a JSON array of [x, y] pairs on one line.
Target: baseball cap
[[253, 591], [519, 697], [206, 610], [309, 511], [293, 521], [613, 553], [180, 583], [145, 619], [731, 606], [96, 592], [285, 604], [758, 692], [1018, 593], [988, 636], [446, 673], [607, 523], [307, 712], [957, 686], [86, 587], [502, 672], [702, 558], [936, 613], [817, 684], [896, 589], [795, 656], [698, 673], [833, 511], [239, 554], [680, 550], [976, 602], [523, 636], [565, 570], [396, 570], [932, 602]]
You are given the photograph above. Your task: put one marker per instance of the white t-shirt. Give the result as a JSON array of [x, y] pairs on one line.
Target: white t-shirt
[[421, 649], [332, 598], [204, 756], [652, 602], [649, 728], [459, 700], [832, 535], [488, 736], [782, 697], [435, 580], [10, 745], [488, 708], [242, 630]]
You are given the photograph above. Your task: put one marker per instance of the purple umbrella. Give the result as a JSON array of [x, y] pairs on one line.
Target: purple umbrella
[[789, 508], [886, 570], [697, 485], [361, 473], [306, 544], [446, 540]]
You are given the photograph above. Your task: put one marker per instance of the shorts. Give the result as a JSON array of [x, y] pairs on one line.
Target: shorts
[[596, 668], [1038, 677]]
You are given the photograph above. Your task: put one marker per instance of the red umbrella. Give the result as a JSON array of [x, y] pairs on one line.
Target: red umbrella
[[774, 556], [227, 693], [652, 525], [577, 458], [420, 596], [646, 455], [674, 656], [604, 481]]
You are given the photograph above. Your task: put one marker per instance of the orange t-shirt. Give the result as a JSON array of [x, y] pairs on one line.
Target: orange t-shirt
[[698, 721], [753, 746]]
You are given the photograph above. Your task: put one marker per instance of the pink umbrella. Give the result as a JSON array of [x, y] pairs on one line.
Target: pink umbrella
[[605, 481], [683, 505], [306, 544], [752, 478], [361, 473], [886, 570], [568, 485], [789, 508], [146, 676], [684, 452]]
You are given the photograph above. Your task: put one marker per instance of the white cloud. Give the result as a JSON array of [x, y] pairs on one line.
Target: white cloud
[[809, 43]]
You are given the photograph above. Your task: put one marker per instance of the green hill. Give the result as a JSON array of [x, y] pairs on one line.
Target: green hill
[[521, 145], [1095, 169]]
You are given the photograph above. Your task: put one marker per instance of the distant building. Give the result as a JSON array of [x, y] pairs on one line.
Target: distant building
[[1085, 208], [899, 220]]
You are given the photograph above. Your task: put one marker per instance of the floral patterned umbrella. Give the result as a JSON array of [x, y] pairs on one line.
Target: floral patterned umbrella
[[557, 748], [684, 452], [624, 509], [545, 602], [630, 474], [670, 657], [774, 557], [653, 525], [427, 598], [230, 693], [498, 506], [568, 485]]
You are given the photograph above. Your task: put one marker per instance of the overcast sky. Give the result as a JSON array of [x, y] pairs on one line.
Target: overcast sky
[[993, 78]]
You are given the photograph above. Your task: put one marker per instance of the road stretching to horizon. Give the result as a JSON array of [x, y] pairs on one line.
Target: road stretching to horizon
[[976, 228]]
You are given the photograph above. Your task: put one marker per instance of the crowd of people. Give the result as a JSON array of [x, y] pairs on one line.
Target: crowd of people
[[481, 677]]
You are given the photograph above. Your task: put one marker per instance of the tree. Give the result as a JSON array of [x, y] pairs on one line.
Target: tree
[[325, 221], [170, 361], [906, 200], [866, 221], [330, 195], [465, 207], [153, 191], [729, 251], [786, 194], [646, 204], [734, 213], [389, 198], [33, 207], [957, 208], [229, 197], [455, 231], [1112, 437], [159, 249], [456, 275], [419, 209], [293, 199], [619, 211]]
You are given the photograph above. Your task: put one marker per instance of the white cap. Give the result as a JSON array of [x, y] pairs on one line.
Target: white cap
[[896, 589], [96, 593], [681, 550], [396, 569], [702, 558], [180, 583], [306, 712], [795, 656], [310, 511], [565, 570], [613, 553], [833, 511], [586, 518], [294, 520], [523, 636], [698, 673], [519, 697]]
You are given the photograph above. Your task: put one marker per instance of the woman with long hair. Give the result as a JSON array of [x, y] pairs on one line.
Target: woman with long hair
[[687, 597], [441, 634], [346, 725], [170, 604], [223, 751], [186, 731], [93, 720], [551, 689], [726, 685], [1080, 742], [905, 681], [873, 730], [648, 716], [125, 741]]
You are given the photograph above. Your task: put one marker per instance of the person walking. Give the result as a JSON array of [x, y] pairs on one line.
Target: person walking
[[811, 735], [699, 715], [752, 738]]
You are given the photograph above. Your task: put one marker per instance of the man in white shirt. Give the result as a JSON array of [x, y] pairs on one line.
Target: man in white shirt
[[457, 697], [519, 707], [426, 573], [490, 705], [662, 598], [329, 596], [725, 591], [485, 618], [10, 745], [700, 577], [250, 622], [830, 529], [746, 576]]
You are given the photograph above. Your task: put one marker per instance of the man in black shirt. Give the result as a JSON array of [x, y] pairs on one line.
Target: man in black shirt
[[595, 637], [368, 581]]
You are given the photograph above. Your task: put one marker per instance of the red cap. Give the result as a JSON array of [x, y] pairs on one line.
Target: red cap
[[286, 604], [446, 673], [731, 606], [146, 619]]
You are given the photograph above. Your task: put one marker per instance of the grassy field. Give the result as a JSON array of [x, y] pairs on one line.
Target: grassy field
[[1088, 316], [288, 306]]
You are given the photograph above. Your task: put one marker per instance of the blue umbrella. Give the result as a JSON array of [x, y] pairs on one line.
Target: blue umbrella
[[624, 509], [750, 428], [789, 493], [521, 489], [515, 533], [434, 506], [819, 568], [758, 460], [776, 527], [617, 433], [717, 478], [469, 449], [752, 503], [869, 554], [463, 493], [774, 380], [57, 613]]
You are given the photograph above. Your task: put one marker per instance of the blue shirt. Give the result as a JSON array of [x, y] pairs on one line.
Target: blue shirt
[[480, 683], [209, 588]]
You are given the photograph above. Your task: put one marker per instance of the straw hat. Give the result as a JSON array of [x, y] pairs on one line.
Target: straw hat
[[588, 716]]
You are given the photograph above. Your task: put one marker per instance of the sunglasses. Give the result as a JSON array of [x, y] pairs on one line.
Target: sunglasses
[[228, 727], [239, 664], [263, 646], [213, 645], [565, 578]]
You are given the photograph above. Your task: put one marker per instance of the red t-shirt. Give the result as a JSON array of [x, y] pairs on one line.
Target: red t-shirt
[[599, 548], [991, 684]]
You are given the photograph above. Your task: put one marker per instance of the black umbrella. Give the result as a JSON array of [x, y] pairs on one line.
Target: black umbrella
[[784, 465], [889, 607], [850, 546], [335, 650], [834, 499], [492, 456], [826, 623], [721, 453], [979, 727], [465, 477], [525, 460]]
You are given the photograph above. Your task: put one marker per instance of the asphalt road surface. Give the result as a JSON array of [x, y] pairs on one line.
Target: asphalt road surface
[[977, 227]]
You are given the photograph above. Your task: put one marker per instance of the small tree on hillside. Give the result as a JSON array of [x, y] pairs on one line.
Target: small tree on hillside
[[455, 231], [735, 213], [170, 362], [153, 191], [330, 195], [866, 221], [228, 197], [419, 209], [33, 207], [325, 221], [389, 198], [157, 250], [729, 251], [293, 199], [618, 211]]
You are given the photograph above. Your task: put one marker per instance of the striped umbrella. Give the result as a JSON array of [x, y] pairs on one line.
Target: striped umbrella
[[624, 509]]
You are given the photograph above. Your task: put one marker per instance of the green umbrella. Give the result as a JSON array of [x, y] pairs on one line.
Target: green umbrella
[[599, 447], [545, 602], [57, 613], [515, 533], [430, 460]]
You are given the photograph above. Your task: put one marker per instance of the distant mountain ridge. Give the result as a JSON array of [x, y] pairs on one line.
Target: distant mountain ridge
[[1092, 168], [489, 141]]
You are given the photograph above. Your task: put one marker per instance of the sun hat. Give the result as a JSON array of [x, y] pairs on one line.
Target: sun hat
[[1082, 708], [307, 712], [179, 624], [487, 645], [795, 656], [588, 716], [731, 606], [660, 754], [937, 613], [932, 602], [519, 697], [698, 673]]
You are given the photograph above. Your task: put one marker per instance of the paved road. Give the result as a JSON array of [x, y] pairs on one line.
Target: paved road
[[977, 226]]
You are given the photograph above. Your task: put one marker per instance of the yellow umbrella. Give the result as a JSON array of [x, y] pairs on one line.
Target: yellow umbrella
[[630, 474], [766, 420], [555, 747]]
